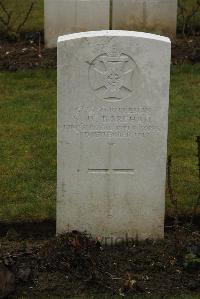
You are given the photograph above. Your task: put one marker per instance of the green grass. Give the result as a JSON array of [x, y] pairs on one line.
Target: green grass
[[184, 126], [28, 145], [28, 141]]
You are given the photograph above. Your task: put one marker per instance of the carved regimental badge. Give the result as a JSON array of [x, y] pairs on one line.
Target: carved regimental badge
[[111, 75]]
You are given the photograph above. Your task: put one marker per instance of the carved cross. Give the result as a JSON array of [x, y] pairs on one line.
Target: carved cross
[[111, 170]]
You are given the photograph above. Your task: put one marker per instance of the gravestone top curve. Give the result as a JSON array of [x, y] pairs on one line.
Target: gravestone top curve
[[107, 33]]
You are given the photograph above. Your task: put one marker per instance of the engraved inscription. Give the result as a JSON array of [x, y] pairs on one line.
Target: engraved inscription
[[109, 122], [111, 75]]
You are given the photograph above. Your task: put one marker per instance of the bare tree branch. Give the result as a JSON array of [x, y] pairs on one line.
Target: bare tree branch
[[188, 15], [8, 14], [6, 19], [3, 21], [3, 8], [26, 17]]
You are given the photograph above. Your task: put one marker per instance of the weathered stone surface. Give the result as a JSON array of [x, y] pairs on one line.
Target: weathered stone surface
[[68, 16], [113, 94], [156, 16]]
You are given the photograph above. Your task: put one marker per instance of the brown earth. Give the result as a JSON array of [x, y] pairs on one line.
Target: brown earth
[[76, 264], [30, 53]]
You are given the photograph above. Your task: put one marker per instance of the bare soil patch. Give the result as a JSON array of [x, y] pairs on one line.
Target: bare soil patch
[[75, 264]]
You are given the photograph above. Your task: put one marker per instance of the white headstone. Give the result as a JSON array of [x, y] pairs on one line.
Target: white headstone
[[69, 16], [113, 94], [156, 16]]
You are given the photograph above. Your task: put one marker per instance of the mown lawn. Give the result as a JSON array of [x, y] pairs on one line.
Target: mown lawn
[[28, 145], [28, 141], [184, 126]]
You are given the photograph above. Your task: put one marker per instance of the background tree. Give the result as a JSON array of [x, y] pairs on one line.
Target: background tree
[[12, 20], [189, 16]]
